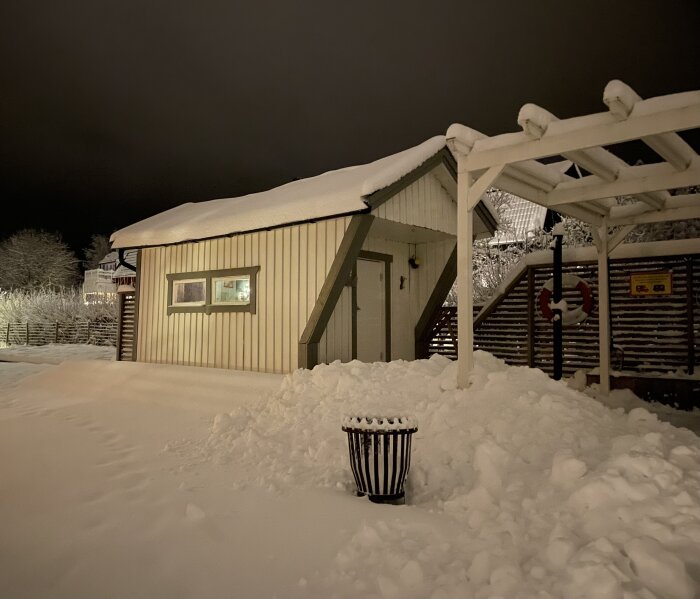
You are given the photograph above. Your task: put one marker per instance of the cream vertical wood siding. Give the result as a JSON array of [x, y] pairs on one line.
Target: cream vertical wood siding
[[406, 304], [294, 262], [432, 257], [425, 203]]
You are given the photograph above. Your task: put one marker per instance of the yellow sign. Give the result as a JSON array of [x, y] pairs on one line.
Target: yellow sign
[[651, 283]]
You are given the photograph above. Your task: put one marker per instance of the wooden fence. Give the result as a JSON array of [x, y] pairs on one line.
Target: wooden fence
[[649, 334], [43, 333]]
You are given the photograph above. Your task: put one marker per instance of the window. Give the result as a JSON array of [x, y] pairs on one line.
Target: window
[[189, 292], [231, 290]]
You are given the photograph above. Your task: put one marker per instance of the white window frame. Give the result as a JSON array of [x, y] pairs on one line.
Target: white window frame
[[176, 304], [241, 277]]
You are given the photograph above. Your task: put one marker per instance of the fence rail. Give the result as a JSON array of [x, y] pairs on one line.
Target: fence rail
[[43, 333]]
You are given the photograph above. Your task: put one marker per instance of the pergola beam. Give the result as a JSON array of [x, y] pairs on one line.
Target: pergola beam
[[621, 100], [648, 118], [673, 149], [633, 180], [670, 214], [618, 213], [619, 237], [479, 187]]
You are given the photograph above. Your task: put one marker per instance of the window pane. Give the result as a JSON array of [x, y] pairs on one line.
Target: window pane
[[188, 292], [232, 290]]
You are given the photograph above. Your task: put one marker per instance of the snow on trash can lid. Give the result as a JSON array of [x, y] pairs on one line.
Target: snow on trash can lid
[[380, 424]]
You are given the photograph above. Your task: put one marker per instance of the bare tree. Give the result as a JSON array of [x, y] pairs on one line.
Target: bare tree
[[98, 249], [31, 259]]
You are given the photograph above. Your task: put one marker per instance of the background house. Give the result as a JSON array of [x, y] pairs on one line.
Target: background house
[[102, 283], [98, 284], [521, 221]]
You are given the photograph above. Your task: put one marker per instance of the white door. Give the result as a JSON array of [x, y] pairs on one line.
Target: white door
[[371, 323]]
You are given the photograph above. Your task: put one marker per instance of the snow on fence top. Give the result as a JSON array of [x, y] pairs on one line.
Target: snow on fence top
[[330, 194]]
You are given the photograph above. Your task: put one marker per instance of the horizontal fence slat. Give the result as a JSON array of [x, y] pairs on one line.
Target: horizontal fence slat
[[648, 333]]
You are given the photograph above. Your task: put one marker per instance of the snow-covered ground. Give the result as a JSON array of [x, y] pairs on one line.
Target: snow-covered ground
[[55, 353], [128, 479]]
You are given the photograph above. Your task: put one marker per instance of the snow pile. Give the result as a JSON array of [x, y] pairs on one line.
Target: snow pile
[[538, 490]]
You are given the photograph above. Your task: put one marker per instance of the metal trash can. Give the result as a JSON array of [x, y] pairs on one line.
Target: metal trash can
[[380, 455]]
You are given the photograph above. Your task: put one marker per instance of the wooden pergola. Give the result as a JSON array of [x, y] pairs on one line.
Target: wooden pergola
[[512, 162]]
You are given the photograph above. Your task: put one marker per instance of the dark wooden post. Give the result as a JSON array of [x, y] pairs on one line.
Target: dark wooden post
[[691, 317], [7, 335], [88, 332], [27, 334], [56, 334], [530, 316], [557, 349]]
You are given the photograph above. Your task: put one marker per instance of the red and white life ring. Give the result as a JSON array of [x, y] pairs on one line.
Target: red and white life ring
[[578, 314]]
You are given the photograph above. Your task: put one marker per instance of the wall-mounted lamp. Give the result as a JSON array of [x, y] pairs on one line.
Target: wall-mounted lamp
[[414, 262]]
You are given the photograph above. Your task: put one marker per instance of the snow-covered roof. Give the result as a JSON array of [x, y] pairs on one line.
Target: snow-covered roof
[[122, 271], [521, 218], [110, 258], [327, 195]]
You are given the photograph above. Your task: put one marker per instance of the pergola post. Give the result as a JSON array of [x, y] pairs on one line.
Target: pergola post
[[465, 302], [603, 308]]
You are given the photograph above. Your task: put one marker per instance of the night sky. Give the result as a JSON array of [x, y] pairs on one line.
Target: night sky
[[113, 111]]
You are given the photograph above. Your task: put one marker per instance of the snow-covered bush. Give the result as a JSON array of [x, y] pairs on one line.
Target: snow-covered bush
[[492, 263], [46, 305]]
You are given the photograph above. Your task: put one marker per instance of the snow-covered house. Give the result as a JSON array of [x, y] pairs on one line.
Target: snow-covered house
[[98, 285], [124, 275], [103, 283], [348, 264], [523, 220]]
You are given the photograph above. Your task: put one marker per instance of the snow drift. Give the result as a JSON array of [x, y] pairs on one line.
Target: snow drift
[[549, 492]]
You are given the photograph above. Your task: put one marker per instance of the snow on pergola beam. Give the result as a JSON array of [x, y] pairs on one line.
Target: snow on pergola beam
[[510, 162], [655, 116], [621, 100]]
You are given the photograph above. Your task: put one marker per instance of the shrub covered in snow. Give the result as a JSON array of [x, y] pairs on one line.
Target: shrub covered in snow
[[492, 263], [47, 305]]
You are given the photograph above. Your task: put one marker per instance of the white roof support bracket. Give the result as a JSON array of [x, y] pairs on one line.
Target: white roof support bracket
[[480, 185], [607, 243], [617, 238]]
